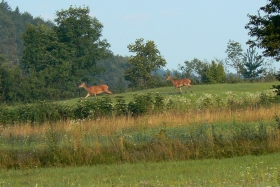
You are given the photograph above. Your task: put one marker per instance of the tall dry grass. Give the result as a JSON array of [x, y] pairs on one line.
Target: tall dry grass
[[134, 139], [107, 126]]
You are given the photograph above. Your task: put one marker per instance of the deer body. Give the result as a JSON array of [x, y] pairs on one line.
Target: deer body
[[94, 90], [180, 83]]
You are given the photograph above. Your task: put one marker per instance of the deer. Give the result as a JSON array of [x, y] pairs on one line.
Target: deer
[[180, 83], [95, 89]]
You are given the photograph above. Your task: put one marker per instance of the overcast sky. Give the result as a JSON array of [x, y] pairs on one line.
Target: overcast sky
[[181, 29]]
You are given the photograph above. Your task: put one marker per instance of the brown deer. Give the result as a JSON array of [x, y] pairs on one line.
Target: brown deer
[[95, 89], [180, 83]]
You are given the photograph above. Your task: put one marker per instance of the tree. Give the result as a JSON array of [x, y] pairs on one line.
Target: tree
[[214, 73], [234, 54], [45, 63], [265, 29], [56, 59], [113, 74], [189, 68], [251, 66], [147, 60], [10, 77], [82, 36], [194, 70]]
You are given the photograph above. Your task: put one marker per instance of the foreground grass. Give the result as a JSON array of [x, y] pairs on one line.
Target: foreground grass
[[240, 171]]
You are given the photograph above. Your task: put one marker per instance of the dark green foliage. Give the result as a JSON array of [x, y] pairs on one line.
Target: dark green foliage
[[92, 109], [146, 60], [13, 24], [36, 113], [251, 68], [159, 105], [214, 73], [264, 28], [141, 104], [277, 87], [9, 80], [202, 72], [81, 35], [121, 106], [113, 73]]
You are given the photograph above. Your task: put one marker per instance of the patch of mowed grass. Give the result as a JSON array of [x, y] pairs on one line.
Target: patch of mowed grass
[[239, 171]]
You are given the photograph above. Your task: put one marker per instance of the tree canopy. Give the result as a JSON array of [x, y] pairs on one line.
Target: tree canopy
[[251, 67], [264, 29], [146, 60]]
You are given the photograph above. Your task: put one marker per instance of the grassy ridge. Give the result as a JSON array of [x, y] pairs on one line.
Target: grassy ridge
[[240, 171], [198, 90]]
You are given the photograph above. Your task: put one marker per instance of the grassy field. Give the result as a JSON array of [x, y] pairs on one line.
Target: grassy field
[[128, 151], [198, 90], [239, 171]]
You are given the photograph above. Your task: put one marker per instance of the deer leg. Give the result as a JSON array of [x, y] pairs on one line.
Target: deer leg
[[87, 95], [110, 93]]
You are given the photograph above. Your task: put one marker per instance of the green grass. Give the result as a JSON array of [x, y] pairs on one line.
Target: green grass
[[263, 170], [198, 90], [240, 171]]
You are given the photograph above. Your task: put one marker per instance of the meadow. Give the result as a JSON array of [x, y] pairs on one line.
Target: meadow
[[226, 134]]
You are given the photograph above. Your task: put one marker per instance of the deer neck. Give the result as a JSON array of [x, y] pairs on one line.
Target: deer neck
[[86, 88]]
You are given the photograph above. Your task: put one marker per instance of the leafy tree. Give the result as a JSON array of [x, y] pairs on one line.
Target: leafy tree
[[214, 73], [13, 24], [10, 76], [234, 54], [252, 64], [189, 68], [265, 29], [7, 32], [147, 60], [45, 62], [113, 74], [82, 36], [56, 59]]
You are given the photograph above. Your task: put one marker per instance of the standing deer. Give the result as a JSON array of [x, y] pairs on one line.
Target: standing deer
[[180, 83], [95, 89]]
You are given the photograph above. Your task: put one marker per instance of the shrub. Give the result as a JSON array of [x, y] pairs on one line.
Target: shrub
[[141, 104]]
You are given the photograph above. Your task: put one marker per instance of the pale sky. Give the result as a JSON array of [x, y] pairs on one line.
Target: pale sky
[[181, 29]]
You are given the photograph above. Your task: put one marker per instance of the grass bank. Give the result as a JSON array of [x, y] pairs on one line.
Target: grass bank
[[239, 171]]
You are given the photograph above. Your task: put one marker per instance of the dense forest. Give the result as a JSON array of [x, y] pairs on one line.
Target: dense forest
[[35, 66], [47, 60]]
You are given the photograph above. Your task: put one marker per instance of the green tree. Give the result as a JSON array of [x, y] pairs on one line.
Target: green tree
[[8, 44], [189, 68], [10, 77], [251, 67], [56, 59], [82, 34], [45, 64], [146, 60], [234, 55], [113, 74], [215, 73], [264, 28]]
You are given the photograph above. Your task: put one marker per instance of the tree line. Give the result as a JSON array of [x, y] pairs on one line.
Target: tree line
[[45, 60]]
